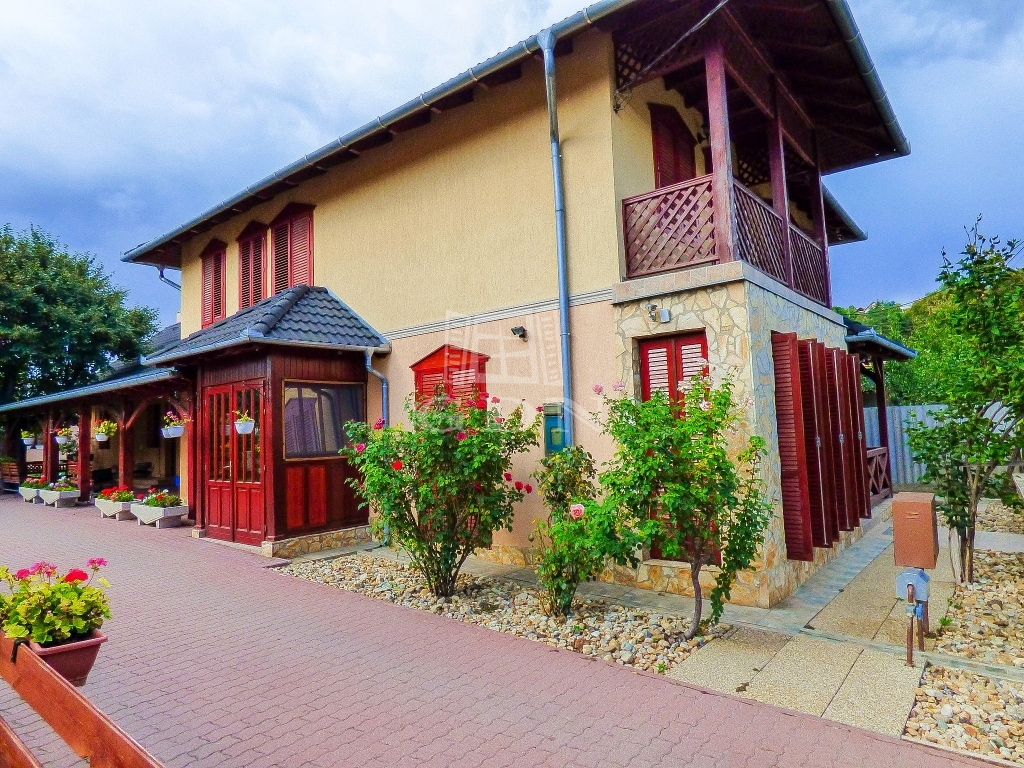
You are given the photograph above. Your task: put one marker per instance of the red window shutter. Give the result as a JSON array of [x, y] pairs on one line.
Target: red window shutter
[[461, 372], [692, 356], [842, 457], [257, 270], [207, 290], [301, 250], [673, 147], [245, 274], [815, 430], [427, 384], [826, 429], [218, 286], [657, 368], [279, 250], [796, 510]]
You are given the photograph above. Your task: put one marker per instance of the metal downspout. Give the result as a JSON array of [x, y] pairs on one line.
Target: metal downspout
[[546, 40], [167, 280], [385, 408]]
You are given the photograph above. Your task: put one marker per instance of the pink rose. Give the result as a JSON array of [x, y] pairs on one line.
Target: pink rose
[[619, 385], [495, 400], [360, 447], [576, 511], [598, 389], [461, 436], [378, 424]]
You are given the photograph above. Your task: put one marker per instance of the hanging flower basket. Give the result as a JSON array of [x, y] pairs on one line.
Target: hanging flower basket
[[101, 438], [61, 439], [172, 432], [29, 441], [245, 427]]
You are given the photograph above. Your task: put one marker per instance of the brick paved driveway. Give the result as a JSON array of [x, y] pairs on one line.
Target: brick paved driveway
[[215, 660]]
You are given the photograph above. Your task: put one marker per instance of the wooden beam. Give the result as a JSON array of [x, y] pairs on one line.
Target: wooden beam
[[457, 99], [721, 151], [780, 192], [85, 453], [13, 752], [125, 447], [818, 215]]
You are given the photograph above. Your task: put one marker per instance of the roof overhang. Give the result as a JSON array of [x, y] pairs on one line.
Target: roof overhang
[[254, 338], [870, 343], [140, 379], [166, 249]]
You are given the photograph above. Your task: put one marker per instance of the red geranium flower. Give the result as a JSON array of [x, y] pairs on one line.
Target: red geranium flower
[[97, 562], [397, 465], [498, 420], [75, 575], [484, 395], [24, 573]]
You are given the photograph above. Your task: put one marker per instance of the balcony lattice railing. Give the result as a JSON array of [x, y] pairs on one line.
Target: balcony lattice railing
[[879, 481], [674, 228]]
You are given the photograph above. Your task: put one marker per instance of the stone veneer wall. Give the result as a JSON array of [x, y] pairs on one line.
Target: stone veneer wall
[[318, 542], [738, 307]]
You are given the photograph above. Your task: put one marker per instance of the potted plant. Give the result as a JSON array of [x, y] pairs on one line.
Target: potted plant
[[28, 438], [105, 430], [63, 435], [59, 616], [174, 425], [29, 489], [116, 503], [61, 493], [244, 423], [160, 508]]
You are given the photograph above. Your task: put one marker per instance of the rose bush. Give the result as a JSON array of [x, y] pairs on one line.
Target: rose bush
[[441, 488], [50, 609]]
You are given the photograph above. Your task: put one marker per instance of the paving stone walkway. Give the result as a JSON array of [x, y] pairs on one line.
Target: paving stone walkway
[[215, 660]]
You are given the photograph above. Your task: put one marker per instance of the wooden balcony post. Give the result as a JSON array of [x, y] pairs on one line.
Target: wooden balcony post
[[721, 149], [85, 453], [125, 448], [780, 190], [818, 215], [51, 456]]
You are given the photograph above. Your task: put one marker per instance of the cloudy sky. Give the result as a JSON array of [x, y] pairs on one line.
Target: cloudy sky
[[121, 120]]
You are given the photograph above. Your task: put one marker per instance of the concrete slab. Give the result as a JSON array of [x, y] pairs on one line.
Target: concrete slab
[[877, 694], [729, 663], [865, 603], [805, 675]]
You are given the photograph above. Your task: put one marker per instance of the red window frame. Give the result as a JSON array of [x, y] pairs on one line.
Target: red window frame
[[674, 146], [252, 252], [213, 299], [291, 248], [462, 372]]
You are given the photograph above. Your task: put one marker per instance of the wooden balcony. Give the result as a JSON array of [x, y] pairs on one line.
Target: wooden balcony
[[674, 228]]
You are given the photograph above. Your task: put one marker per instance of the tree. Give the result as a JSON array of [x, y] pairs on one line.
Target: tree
[[442, 487], [976, 331], [63, 322], [672, 464]]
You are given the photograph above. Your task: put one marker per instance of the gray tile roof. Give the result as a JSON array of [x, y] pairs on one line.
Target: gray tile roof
[[121, 380], [300, 316]]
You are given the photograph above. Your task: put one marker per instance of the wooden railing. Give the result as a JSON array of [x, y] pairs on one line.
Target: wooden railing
[[13, 752], [674, 228], [879, 479], [670, 228]]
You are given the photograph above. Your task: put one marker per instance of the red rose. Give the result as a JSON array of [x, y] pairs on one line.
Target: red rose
[[498, 420], [461, 436], [484, 395], [397, 465], [75, 575], [519, 485], [529, 488], [378, 424], [481, 404], [508, 477], [540, 409], [495, 400]]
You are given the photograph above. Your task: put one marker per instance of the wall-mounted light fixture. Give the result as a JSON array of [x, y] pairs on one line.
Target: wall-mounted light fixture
[[658, 315], [519, 332]]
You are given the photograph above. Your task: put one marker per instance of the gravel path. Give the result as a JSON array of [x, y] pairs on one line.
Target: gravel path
[[628, 636], [996, 516]]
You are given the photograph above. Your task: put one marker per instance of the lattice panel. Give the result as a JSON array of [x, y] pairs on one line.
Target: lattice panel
[[753, 168], [878, 474], [760, 234], [670, 228], [642, 46], [810, 276]]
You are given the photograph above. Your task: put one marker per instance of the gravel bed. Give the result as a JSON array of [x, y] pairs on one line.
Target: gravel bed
[[997, 517], [627, 636], [985, 617], [966, 711]]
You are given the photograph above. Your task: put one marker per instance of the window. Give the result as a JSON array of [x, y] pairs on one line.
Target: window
[[666, 363], [291, 245], [213, 282], [462, 373], [251, 253], [315, 416], [673, 147]]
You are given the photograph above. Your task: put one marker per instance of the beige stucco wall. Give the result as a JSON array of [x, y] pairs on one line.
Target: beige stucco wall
[[458, 215]]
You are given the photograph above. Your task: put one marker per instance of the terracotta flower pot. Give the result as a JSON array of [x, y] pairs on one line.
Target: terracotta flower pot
[[72, 661]]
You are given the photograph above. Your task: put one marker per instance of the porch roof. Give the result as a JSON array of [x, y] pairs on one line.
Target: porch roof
[[836, 51], [127, 378], [862, 338], [302, 316]]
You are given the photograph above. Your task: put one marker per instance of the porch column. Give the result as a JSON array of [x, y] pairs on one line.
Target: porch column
[[880, 402], [125, 448], [85, 453], [780, 191], [721, 149], [818, 215], [51, 456]]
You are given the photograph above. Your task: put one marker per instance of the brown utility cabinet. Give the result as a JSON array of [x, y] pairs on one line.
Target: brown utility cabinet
[[915, 530]]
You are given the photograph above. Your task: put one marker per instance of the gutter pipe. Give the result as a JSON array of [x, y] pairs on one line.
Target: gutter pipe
[[547, 42], [385, 408], [165, 280]]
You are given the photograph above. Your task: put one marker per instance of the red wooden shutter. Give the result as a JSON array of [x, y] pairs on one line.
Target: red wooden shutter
[[427, 383], [829, 457], [796, 508], [840, 450], [673, 147], [257, 269], [691, 357], [279, 251], [218, 286], [463, 373], [657, 368], [861, 450], [817, 465], [245, 274], [207, 291], [301, 250]]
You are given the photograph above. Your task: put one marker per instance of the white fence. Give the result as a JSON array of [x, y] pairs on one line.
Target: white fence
[[904, 469]]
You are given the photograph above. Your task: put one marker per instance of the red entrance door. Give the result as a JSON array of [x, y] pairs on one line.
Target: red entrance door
[[233, 464]]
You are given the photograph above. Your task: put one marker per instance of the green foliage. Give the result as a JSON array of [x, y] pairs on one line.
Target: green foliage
[[63, 323], [162, 499], [672, 465], [50, 610], [33, 482], [442, 487], [982, 378], [107, 427], [580, 534], [62, 484]]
